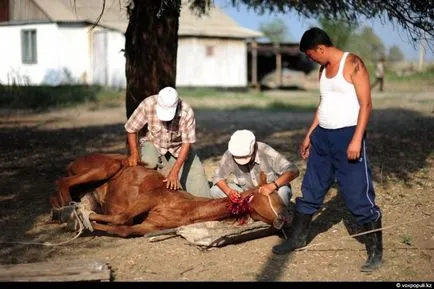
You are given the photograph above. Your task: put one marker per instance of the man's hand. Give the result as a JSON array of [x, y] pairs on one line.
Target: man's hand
[[267, 189], [304, 148], [172, 181], [234, 196], [133, 160], [353, 150]]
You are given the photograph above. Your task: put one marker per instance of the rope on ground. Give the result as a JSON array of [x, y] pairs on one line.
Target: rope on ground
[[49, 244], [363, 233]]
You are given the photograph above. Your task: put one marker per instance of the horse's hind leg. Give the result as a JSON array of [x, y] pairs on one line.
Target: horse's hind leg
[[125, 231], [92, 175]]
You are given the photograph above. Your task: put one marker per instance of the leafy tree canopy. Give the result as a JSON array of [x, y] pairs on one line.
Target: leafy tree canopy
[[340, 31], [367, 45], [395, 54], [414, 16], [276, 31]]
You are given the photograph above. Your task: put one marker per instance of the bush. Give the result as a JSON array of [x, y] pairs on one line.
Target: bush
[[43, 97]]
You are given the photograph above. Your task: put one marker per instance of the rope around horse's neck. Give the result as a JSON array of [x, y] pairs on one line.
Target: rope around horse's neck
[[53, 244], [274, 211], [271, 205]]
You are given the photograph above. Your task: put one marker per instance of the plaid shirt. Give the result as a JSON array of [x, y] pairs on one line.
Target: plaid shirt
[[267, 159], [166, 136]]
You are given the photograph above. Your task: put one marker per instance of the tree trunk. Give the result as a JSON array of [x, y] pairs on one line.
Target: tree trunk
[[151, 44]]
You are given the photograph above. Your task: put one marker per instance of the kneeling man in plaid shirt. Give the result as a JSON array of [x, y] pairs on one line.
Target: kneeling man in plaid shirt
[[164, 128]]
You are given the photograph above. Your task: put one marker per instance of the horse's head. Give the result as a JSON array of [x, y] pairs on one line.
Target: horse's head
[[269, 209]]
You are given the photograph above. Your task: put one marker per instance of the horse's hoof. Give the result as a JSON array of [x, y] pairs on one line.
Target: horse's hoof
[[73, 224], [56, 214], [62, 215]]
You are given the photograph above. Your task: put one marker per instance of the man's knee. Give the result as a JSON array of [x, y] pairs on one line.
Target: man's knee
[[195, 174], [150, 161], [149, 156], [198, 185]]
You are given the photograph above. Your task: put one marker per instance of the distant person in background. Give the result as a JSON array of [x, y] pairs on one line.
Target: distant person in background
[[379, 74]]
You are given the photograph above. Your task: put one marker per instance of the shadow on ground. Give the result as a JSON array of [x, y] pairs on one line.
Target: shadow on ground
[[399, 144]]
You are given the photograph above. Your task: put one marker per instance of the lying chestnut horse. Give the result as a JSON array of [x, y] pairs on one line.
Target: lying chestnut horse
[[135, 201]]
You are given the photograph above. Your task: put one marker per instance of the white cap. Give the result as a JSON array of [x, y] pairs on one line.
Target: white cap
[[241, 146], [167, 101]]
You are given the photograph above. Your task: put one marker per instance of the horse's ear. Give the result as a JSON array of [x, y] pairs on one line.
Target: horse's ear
[[262, 178]]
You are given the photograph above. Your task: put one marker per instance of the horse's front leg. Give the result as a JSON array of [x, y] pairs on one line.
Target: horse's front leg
[[118, 219], [125, 231]]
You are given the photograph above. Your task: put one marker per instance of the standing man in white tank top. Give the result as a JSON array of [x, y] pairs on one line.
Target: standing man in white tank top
[[335, 146]]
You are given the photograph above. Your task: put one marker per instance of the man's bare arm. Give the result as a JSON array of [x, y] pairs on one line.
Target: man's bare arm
[[360, 79], [134, 157]]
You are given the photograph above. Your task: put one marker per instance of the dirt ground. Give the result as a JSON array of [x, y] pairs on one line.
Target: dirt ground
[[35, 148]]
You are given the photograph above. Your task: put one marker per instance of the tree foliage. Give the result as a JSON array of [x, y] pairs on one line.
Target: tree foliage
[[276, 31], [367, 45], [350, 37], [152, 33], [395, 54], [414, 16], [340, 31]]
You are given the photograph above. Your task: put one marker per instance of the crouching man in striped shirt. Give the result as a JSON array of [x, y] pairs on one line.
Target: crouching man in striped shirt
[[164, 128], [243, 162]]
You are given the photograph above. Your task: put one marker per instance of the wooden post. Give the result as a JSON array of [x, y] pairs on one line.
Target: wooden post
[[254, 64], [422, 52], [278, 65]]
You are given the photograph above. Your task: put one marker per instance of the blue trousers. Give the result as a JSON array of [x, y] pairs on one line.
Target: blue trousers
[[328, 162]]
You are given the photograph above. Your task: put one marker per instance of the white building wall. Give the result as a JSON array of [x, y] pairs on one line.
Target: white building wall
[[64, 55], [224, 66], [12, 70], [107, 58], [116, 59], [74, 60]]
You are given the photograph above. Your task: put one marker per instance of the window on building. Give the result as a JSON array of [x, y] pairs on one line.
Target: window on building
[[209, 50], [4, 10], [28, 46]]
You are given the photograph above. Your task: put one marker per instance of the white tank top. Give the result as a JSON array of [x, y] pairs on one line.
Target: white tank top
[[339, 106]]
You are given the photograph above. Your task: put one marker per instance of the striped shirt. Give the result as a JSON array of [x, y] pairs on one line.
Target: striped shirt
[[166, 136], [267, 159]]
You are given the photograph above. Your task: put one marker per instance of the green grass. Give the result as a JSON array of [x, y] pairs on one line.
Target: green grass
[[406, 239], [105, 94], [201, 93], [296, 101], [45, 97], [280, 106], [197, 92], [415, 77], [277, 106], [412, 76]]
